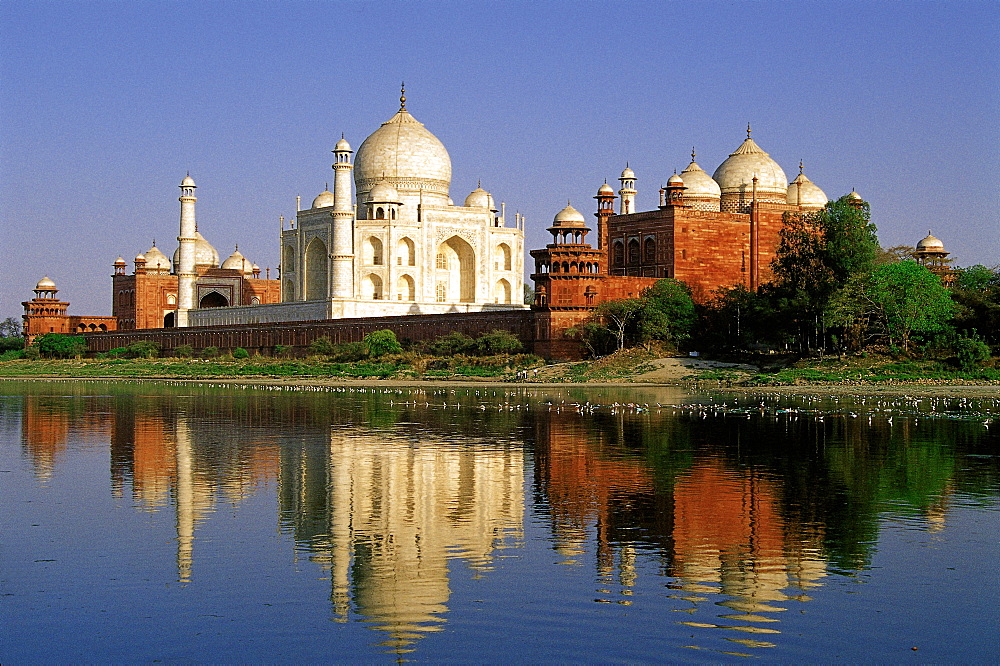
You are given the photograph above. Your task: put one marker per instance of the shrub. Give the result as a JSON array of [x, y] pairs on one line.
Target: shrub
[[112, 353], [281, 350], [210, 352], [12, 343], [12, 355], [380, 343], [348, 352], [184, 351], [322, 345], [241, 353], [143, 349], [498, 342], [60, 345], [452, 344], [971, 352]]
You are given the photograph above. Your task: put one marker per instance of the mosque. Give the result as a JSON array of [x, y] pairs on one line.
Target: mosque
[[389, 241]]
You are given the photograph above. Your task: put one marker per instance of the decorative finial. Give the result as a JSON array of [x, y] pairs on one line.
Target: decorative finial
[[154, 242], [692, 153], [479, 183], [800, 167], [402, 96], [748, 130], [237, 247], [326, 186]]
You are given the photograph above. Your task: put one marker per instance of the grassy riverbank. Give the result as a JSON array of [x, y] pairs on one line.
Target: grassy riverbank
[[638, 366]]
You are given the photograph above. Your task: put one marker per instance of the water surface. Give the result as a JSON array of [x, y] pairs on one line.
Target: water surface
[[214, 523]]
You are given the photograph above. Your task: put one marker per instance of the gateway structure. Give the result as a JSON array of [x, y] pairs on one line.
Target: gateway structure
[[393, 244]]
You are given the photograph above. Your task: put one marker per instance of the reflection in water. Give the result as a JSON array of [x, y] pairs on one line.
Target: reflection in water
[[741, 515]]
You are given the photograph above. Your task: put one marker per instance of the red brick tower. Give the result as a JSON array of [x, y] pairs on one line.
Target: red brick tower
[[44, 313]]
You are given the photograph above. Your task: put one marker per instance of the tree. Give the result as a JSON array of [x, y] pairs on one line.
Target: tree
[[10, 328], [382, 342], [60, 345], [817, 254], [976, 291], [618, 315], [498, 342], [667, 313], [898, 299]]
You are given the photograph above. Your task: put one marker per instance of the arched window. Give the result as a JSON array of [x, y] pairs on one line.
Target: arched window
[[171, 299], [501, 292], [316, 270], [618, 254], [460, 259], [649, 251], [406, 289], [406, 254], [380, 213], [633, 252], [213, 299], [502, 262], [371, 287], [288, 259], [373, 251]]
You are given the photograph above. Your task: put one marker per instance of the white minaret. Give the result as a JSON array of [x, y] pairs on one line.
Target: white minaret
[[185, 269], [627, 193], [343, 222]]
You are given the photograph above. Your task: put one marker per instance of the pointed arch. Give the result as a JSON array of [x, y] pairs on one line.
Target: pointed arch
[[406, 252], [213, 299], [373, 251], [406, 289], [501, 292], [502, 257], [371, 287], [460, 275], [317, 270]]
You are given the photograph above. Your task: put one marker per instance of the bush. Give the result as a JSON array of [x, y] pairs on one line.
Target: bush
[[210, 352], [60, 345], [117, 352], [143, 349], [971, 352], [184, 351], [12, 343], [323, 345], [498, 342], [451, 344], [380, 343], [241, 353], [349, 352], [281, 350], [12, 355]]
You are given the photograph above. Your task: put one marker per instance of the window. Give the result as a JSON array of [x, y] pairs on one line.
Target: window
[[439, 292], [618, 254], [441, 261]]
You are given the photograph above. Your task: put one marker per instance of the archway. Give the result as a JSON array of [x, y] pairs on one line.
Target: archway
[[213, 299], [371, 287], [168, 320], [459, 274], [373, 251], [406, 289], [501, 292], [316, 270], [288, 294], [288, 259], [405, 253], [502, 262]]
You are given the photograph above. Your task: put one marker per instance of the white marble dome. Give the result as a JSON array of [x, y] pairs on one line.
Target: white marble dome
[[205, 255], [568, 217], [237, 262], [384, 193], [479, 198], [404, 153], [342, 145], [45, 284], [156, 261], [805, 193], [675, 180], [736, 173], [628, 174], [188, 181], [323, 200], [605, 189], [930, 243], [699, 183]]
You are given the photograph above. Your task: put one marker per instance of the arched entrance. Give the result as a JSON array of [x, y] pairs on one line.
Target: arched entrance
[[316, 270], [457, 270], [213, 299], [168, 320]]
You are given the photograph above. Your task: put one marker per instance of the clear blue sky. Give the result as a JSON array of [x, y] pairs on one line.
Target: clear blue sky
[[105, 105]]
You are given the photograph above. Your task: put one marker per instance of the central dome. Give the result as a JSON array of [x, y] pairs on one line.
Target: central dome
[[736, 174], [404, 154]]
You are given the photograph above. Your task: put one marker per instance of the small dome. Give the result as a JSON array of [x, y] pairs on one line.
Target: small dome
[[478, 198], [628, 174], [699, 183], [188, 181], [383, 193], [156, 260], [342, 146], [675, 180], [45, 284], [237, 262], [255, 269], [605, 189], [323, 200], [205, 255], [140, 258], [854, 195], [930, 243], [805, 193], [120, 261], [568, 217], [736, 173]]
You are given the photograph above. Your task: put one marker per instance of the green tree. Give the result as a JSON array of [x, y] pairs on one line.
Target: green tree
[[667, 312], [817, 254], [498, 342], [619, 316], [382, 342], [60, 345], [898, 299]]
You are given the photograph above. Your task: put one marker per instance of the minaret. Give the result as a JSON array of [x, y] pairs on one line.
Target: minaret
[[185, 269], [605, 209], [627, 192], [343, 222]]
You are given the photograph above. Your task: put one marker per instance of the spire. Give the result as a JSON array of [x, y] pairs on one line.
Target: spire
[[800, 167], [402, 96], [693, 154], [748, 130]]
